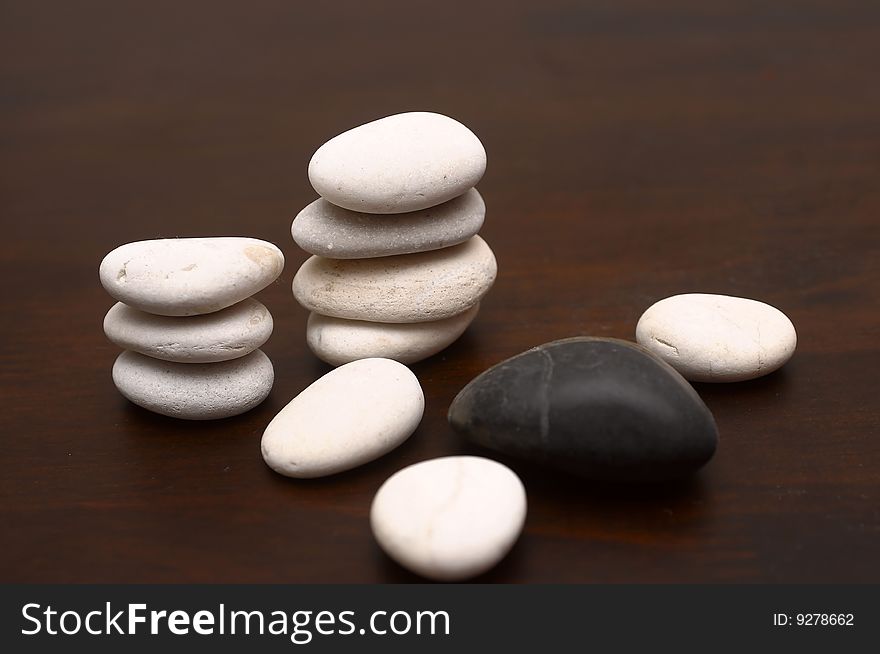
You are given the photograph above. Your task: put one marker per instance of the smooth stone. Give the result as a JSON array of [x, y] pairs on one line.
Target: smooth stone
[[227, 334], [400, 163], [329, 231], [194, 391], [338, 341], [717, 338], [351, 415], [189, 276], [598, 407], [451, 518], [406, 288]]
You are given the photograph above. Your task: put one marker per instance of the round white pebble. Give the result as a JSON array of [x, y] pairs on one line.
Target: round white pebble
[[406, 288], [350, 416], [194, 391], [227, 334], [400, 163], [717, 338], [189, 276], [451, 518], [338, 341], [329, 231]]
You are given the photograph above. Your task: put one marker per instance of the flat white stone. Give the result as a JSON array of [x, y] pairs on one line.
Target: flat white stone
[[406, 288], [189, 276], [717, 338], [338, 341], [194, 391], [400, 163], [227, 334], [451, 518], [350, 416], [324, 229]]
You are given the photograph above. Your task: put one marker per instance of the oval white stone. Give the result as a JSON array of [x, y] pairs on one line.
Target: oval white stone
[[338, 341], [329, 231], [220, 336], [350, 416], [717, 338], [194, 391], [189, 276], [406, 288], [400, 163], [450, 518]]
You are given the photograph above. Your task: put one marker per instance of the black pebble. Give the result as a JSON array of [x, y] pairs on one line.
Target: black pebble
[[601, 408]]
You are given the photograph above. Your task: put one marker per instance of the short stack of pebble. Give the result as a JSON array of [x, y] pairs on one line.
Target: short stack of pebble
[[188, 324], [398, 270]]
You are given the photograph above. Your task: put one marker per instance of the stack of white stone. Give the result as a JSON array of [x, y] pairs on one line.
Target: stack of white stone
[[398, 270], [188, 324]]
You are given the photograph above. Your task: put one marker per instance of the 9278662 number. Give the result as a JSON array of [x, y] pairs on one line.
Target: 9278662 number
[[824, 619]]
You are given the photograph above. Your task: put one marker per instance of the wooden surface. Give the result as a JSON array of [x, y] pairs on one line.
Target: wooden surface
[[636, 150]]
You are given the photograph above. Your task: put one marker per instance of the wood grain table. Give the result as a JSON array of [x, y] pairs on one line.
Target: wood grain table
[[636, 150]]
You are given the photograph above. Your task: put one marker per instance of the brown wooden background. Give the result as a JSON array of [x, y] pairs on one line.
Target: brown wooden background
[[636, 150]]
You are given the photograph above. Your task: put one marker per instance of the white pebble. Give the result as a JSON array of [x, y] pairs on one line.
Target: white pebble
[[194, 391], [220, 336], [451, 518], [189, 276], [338, 341], [400, 163], [717, 338], [406, 288], [324, 229], [351, 415]]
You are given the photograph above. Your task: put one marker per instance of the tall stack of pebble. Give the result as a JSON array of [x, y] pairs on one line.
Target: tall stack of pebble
[[398, 269], [188, 324]]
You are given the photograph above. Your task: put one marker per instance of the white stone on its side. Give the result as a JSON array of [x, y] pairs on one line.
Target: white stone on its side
[[406, 288], [189, 276], [400, 163], [717, 338], [324, 229], [338, 341], [194, 391], [351, 415], [227, 334], [451, 518]]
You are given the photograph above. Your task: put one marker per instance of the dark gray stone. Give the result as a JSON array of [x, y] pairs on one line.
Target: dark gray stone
[[601, 408]]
